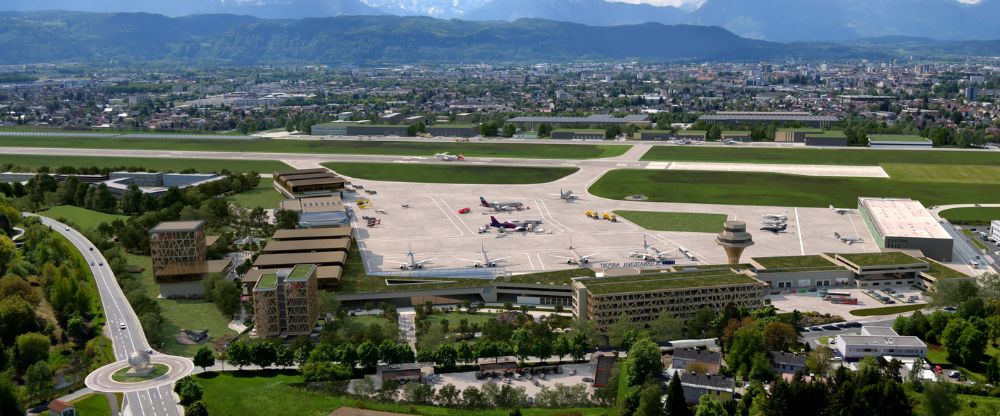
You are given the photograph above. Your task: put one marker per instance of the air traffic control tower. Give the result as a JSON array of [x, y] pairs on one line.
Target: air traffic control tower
[[734, 239]]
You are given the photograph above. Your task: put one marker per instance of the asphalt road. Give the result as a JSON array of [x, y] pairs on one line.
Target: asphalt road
[[154, 401]]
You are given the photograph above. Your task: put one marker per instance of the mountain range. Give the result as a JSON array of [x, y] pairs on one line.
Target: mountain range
[[775, 20]]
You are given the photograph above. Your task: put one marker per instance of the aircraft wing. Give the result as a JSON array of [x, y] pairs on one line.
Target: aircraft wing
[[501, 259], [472, 261], [589, 256], [424, 261], [397, 262], [563, 257]]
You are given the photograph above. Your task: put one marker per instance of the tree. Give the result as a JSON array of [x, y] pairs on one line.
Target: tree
[[747, 343], [31, 348], [472, 398], [818, 361], [8, 251], [38, 381], [188, 390], [448, 396], [523, 343], [676, 404], [10, 402], [579, 345], [509, 130], [239, 354], [666, 328], [226, 297], [263, 353], [286, 219], [131, 200], [644, 361], [204, 358], [368, 354], [993, 371], [446, 355], [196, 409], [700, 325], [544, 130], [623, 333], [940, 399], [779, 336], [649, 401], [17, 317], [560, 347], [707, 406]]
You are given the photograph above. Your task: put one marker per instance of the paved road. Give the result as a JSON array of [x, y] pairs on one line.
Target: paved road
[[155, 401], [965, 250]]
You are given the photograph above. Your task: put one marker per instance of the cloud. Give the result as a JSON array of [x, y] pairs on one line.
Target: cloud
[[677, 3]]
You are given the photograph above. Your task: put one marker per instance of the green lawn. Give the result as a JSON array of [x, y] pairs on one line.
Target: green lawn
[[555, 277], [971, 216], [358, 147], [263, 196], [887, 310], [81, 217], [974, 239], [180, 314], [33, 162], [850, 156], [454, 317], [92, 405], [271, 393], [452, 173], [928, 173], [121, 376], [675, 221], [773, 189]]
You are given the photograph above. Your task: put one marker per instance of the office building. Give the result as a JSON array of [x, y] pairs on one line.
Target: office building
[[899, 223], [156, 184], [286, 302], [738, 118], [878, 341], [180, 263], [308, 183], [898, 141], [994, 234], [643, 297], [578, 134]]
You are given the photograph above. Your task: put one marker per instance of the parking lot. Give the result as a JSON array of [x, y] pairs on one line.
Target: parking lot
[[531, 386], [811, 301]]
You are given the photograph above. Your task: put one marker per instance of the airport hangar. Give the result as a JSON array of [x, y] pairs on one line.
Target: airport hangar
[[900, 223]]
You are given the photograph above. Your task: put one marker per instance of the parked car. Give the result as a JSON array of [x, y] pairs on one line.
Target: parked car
[[830, 327], [954, 374]]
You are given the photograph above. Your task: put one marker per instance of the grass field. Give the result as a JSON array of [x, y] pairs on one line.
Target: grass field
[[675, 221], [974, 239], [263, 196], [92, 404], [887, 310], [156, 164], [454, 317], [121, 376], [271, 393], [774, 189], [856, 156], [943, 173], [971, 216], [80, 217], [400, 148], [195, 314], [453, 173]]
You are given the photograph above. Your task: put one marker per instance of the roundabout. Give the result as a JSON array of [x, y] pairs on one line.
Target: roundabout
[[140, 371]]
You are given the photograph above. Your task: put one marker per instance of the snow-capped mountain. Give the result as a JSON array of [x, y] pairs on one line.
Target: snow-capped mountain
[[445, 9]]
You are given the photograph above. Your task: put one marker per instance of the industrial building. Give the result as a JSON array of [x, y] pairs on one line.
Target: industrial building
[[645, 296], [360, 129], [319, 211], [453, 130], [308, 183], [899, 223], [878, 341], [697, 135], [739, 136], [899, 141], [326, 248], [826, 139], [156, 184], [578, 134], [653, 135], [530, 123], [737, 118], [286, 302], [180, 263], [794, 135]]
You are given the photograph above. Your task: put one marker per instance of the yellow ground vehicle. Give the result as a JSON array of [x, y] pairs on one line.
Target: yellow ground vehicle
[[592, 214], [610, 216]]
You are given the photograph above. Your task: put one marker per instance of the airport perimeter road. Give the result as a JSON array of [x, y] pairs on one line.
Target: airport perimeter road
[[153, 399]]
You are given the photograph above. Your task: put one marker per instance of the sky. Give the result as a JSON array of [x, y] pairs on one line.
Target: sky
[[695, 3]]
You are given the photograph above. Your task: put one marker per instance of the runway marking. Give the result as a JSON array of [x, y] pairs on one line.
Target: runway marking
[[460, 233], [543, 211], [802, 247], [546, 207], [864, 245], [450, 211], [657, 165]]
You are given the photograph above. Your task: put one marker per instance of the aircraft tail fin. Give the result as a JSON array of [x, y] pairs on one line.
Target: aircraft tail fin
[[494, 222], [482, 201], [836, 234]]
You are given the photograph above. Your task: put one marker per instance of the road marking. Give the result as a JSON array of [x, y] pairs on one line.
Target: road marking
[[802, 247], [443, 211], [450, 211]]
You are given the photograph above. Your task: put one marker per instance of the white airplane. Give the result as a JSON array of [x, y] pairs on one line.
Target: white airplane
[[732, 142], [576, 258], [687, 253], [568, 195], [772, 223], [411, 263], [486, 261], [448, 157], [780, 217], [840, 211], [501, 206], [850, 240], [648, 252]]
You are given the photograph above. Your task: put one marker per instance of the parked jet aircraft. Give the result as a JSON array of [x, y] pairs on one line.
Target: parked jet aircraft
[[576, 257], [501, 206], [850, 240], [412, 263], [648, 252], [449, 157], [840, 211], [486, 261], [776, 228], [568, 195], [782, 217]]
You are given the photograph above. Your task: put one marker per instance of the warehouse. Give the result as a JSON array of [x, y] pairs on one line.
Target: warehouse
[[360, 129], [794, 135], [289, 260], [311, 234], [898, 141], [578, 134], [308, 183], [653, 135], [899, 223], [827, 139], [735, 118], [739, 136], [529, 123], [643, 297], [697, 135], [320, 211], [453, 130]]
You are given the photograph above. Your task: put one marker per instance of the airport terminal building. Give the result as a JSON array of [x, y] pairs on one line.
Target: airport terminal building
[[900, 223]]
